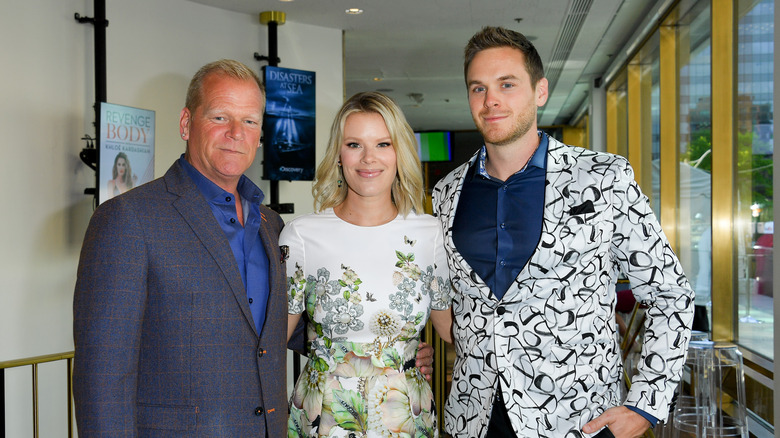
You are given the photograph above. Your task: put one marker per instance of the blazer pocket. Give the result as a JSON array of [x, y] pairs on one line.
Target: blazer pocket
[[584, 208], [167, 417]]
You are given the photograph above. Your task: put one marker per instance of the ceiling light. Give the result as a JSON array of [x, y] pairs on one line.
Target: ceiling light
[[354, 11], [285, 1], [377, 79]]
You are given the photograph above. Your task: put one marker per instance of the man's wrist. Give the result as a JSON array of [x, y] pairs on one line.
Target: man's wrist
[[653, 421]]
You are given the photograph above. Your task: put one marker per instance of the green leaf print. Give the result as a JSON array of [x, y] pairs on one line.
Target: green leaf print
[[423, 427], [392, 358], [418, 319], [320, 365], [349, 410]]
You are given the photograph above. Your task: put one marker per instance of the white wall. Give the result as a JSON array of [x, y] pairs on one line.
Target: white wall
[[47, 91]]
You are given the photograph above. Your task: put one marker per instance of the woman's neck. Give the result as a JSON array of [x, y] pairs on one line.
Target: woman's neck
[[366, 212]]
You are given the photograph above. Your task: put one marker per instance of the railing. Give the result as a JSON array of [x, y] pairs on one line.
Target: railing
[[34, 362]]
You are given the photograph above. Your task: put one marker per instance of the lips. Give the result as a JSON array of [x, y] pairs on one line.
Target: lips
[[370, 173], [490, 118]]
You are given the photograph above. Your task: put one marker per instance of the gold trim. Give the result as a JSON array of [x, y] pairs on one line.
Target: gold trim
[[35, 360], [269, 16], [670, 132], [612, 117], [635, 119], [724, 33]]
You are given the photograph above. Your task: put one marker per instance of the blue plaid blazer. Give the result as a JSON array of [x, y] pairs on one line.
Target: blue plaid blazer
[[164, 338]]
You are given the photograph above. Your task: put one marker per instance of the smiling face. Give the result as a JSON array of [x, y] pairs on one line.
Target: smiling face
[[223, 132], [368, 159], [502, 99]]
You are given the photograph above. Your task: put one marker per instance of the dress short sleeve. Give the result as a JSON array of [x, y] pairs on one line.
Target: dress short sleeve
[[292, 245]]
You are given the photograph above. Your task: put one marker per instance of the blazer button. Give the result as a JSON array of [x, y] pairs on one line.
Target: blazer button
[[260, 352], [259, 411], [501, 310]]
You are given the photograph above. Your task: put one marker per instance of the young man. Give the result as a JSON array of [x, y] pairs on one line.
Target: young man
[[536, 233]]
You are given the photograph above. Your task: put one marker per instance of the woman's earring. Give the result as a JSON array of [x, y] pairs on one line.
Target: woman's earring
[[339, 183]]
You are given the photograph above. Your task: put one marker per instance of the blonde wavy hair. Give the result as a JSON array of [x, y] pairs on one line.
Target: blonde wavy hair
[[407, 192]]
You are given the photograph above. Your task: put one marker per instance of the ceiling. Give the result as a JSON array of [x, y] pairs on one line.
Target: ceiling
[[416, 46]]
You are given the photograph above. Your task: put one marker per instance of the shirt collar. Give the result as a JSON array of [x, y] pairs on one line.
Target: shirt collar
[[248, 191], [538, 159]]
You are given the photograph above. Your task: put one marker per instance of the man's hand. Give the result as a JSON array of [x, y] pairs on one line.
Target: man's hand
[[622, 422], [425, 360]]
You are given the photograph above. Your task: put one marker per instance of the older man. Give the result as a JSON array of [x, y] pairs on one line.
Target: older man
[[180, 303]]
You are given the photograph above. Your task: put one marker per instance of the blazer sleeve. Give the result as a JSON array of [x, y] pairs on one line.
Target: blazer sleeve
[[657, 280], [108, 310]]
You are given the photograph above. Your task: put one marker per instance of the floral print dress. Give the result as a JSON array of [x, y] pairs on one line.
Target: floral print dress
[[368, 292]]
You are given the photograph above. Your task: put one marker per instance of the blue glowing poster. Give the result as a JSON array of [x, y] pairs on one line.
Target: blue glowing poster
[[289, 125]]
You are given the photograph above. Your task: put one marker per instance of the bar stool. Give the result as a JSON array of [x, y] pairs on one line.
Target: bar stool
[[713, 405]]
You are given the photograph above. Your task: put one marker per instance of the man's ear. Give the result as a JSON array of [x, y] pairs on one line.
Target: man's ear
[[541, 92], [184, 124]]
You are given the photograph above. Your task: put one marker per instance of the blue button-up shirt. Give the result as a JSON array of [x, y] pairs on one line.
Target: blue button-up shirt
[[244, 240], [498, 224]]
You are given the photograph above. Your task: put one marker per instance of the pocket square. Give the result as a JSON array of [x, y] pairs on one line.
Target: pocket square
[[584, 208]]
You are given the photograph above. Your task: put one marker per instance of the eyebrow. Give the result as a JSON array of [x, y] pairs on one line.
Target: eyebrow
[[499, 79]]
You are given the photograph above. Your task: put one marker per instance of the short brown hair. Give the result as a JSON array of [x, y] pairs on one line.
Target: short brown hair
[[494, 37]]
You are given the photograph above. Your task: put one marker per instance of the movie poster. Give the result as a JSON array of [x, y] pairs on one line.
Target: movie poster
[[289, 125], [126, 149]]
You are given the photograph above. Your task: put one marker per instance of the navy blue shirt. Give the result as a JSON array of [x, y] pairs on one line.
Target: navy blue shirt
[[498, 224], [244, 240]]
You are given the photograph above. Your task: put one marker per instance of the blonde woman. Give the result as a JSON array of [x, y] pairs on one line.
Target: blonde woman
[[369, 268]]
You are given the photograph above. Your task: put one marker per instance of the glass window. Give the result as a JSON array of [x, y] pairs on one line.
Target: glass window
[[754, 232], [695, 182], [649, 57]]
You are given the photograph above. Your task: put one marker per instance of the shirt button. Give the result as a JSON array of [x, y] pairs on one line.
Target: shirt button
[[228, 199], [503, 226], [501, 310], [504, 187], [250, 301], [259, 411], [502, 263], [232, 220]]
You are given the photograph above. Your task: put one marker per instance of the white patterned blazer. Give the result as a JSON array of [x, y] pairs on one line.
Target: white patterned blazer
[[551, 339]]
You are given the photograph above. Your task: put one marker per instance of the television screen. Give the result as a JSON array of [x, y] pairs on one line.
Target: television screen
[[434, 146]]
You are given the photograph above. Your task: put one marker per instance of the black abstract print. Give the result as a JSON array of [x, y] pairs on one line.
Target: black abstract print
[[551, 340]]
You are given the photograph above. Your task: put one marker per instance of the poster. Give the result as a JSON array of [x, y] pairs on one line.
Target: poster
[[126, 149], [289, 125]]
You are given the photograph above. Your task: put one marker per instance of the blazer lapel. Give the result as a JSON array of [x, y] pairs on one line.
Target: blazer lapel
[[196, 212]]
